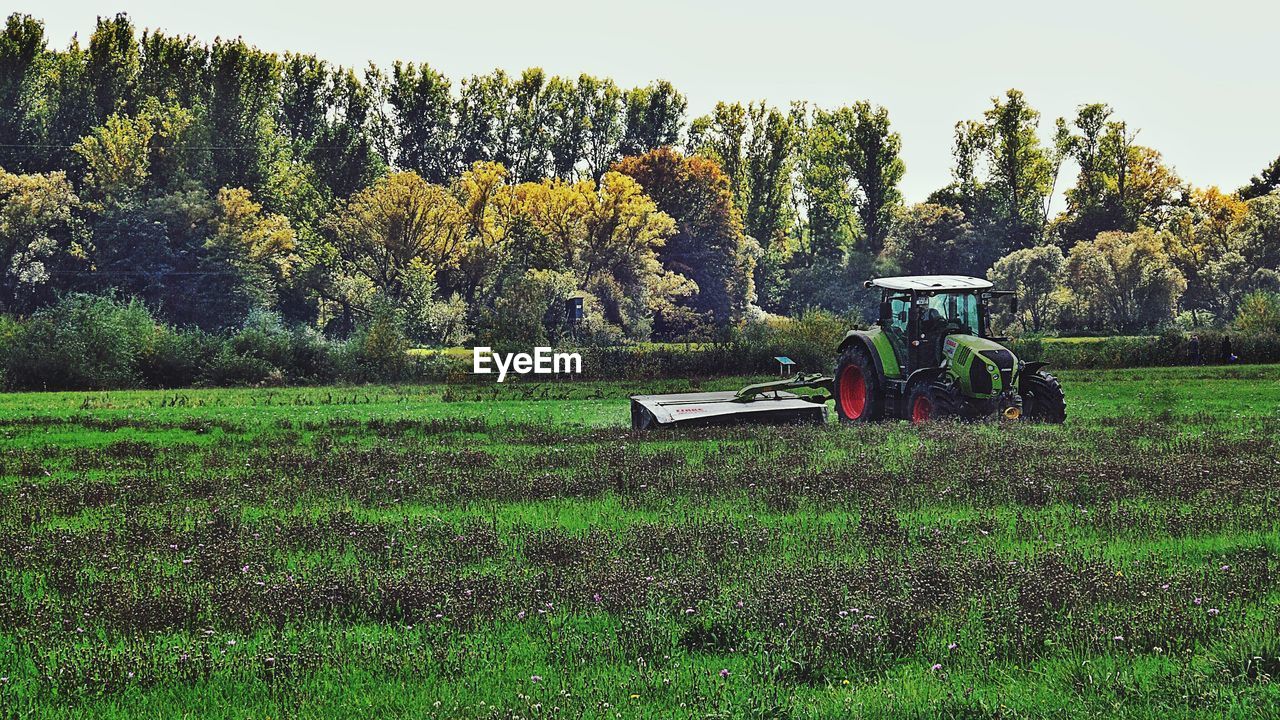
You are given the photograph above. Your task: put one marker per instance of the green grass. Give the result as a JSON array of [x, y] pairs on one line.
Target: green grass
[[428, 551]]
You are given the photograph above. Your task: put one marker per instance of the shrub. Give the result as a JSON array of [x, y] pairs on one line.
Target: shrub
[[1259, 312], [82, 342], [377, 352], [300, 355], [179, 358]]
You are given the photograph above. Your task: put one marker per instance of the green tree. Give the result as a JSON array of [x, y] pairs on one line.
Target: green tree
[[381, 231], [1003, 174], [22, 51], [1263, 183], [252, 249], [654, 117], [425, 140], [930, 239], [864, 150], [1124, 281], [173, 69], [1259, 312], [1035, 274], [245, 88], [113, 66]]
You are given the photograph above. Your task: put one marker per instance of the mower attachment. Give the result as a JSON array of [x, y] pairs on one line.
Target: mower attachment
[[766, 404]]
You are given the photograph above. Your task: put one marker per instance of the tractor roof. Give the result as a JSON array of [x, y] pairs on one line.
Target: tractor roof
[[931, 283]]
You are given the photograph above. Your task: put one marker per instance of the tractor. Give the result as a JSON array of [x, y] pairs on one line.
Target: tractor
[[931, 355]]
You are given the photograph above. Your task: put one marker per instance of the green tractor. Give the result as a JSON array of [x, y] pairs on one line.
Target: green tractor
[[931, 355]]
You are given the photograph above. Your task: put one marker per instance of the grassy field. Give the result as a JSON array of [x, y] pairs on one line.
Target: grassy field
[[515, 551]]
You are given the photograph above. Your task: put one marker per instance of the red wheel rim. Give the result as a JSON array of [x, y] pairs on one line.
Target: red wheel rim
[[921, 410], [853, 391]]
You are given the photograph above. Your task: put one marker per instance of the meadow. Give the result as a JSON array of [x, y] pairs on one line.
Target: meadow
[[516, 551]]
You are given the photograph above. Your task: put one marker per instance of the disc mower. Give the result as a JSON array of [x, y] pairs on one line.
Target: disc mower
[[930, 355]]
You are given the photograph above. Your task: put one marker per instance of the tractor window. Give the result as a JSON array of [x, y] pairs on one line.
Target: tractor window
[[960, 311], [899, 307]]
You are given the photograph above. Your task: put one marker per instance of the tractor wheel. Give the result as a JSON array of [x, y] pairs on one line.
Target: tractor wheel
[[930, 401], [858, 391], [1042, 398]]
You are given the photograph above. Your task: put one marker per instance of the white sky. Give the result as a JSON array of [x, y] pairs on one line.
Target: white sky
[[1198, 78]]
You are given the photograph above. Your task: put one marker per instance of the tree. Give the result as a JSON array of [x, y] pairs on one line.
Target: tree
[[1120, 185], [1035, 274], [1003, 173], [655, 114], [757, 147], [865, 151], [127, 153], [709, 246], [342, 151], [173, 69], [1259, 312], [424, 128], [1263, 183], [21, 53], [39, 238], [1208, 243], [117, 154], [601, 108], [381, 231], [257, 246], [929, 239], [245, 87], [113, 66], [1124, 281]]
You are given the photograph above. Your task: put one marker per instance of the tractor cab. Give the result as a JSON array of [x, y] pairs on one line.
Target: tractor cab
[[918, 313]]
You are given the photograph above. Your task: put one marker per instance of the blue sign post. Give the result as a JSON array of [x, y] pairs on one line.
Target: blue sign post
[[785, 365]]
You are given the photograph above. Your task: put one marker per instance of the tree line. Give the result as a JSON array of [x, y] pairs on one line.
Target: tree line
[[213, 180]]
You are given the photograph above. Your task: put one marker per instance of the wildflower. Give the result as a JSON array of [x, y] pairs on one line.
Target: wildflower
[[724, 672], [1118, 638], [231, 643], [520, 615], [1225, 568], [844, 614], [936, 667], [1213, 611], [688, 611], [1198, 600], [597, 598], [740, 604], [535, 678], [952, 646]]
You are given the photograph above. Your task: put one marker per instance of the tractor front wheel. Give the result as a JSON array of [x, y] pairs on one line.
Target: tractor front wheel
[[857, 387], [930, 401], [1042, 398]]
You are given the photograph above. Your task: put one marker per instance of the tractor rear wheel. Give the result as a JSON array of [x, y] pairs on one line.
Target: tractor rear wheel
[[930, 401], [1042, 398], [859, 397]]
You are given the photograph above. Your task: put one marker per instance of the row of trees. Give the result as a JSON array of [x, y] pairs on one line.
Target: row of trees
[[212, 179]]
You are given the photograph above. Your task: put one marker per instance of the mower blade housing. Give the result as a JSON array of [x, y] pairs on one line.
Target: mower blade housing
[[722, 408]]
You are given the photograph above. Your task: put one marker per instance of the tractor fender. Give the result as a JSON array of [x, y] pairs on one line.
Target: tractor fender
[[1030, 368], [924, 375], [859, 338]]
